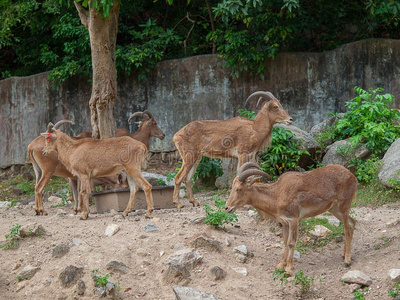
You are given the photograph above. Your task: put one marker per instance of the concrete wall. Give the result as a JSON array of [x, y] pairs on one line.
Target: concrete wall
[[309, 85]]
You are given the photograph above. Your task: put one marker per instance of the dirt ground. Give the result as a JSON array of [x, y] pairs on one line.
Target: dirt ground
[[96, 250]]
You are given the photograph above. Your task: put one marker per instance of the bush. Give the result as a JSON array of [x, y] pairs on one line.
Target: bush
[[218, 217], [208, 168], [369, 120]]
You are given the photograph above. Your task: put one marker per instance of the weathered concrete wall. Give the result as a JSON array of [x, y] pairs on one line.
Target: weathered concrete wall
[[309, 85]]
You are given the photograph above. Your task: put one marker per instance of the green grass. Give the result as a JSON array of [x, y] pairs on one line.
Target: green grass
[[375, 194], [395, 291], [307, 225], [12, 238], [383, 242], [100, 280]]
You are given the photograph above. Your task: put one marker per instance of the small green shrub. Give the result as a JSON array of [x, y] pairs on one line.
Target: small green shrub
[[100, 280], [281, 276], [12, 238], [370, 120], [395, 291], [283, 154], [208, 167], [160, 181], [27, 187], [360, 294], [13, 202], [366, 170], [303, 281], [217, 216]]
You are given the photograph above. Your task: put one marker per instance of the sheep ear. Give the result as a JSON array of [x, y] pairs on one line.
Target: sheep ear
[[49, 136]]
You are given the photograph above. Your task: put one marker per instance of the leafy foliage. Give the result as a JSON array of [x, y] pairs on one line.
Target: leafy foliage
[[245, 33], [366, 170], [208, 167], [370, 120], [100, 280], [303, 281], [283, 154], [12, 238], [395, 291], [359, 294], [217, 216]]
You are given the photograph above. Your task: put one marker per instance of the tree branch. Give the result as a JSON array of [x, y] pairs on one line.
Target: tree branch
[[83, 14]]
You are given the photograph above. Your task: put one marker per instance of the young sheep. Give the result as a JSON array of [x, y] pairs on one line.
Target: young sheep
[[296, 196], [90, 158]]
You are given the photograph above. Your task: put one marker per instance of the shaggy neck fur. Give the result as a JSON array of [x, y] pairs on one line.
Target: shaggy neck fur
[[263, 126], [63, 145], [266, 203], [143, 136]]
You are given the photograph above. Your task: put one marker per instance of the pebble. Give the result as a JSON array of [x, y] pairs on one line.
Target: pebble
[[111, 229]]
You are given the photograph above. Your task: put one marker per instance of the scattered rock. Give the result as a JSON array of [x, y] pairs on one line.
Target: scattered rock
[[31, 230], [203, 240], [20, 286], [334, 222], [80, 287], [353, 287], [113, 212], [199, 220], [141, 252], [47, 281], [334, 155], [178, 246], [54, 199], [60, 250], [70, 275], [150, 227], [110, 289], [241, 258], [186, 293], [357, 277], [111, 229], [296, 254], [142, 274], [27, 273], [252, 213], [242, 249], [390, 169], [242, 271], [101, 292], [394, 275], [179, 265], [16, 266], [323, 127], [4, 204], [117, 266], [76, 242], [227, 241], [217, 273], [303, 138], [320, 231]]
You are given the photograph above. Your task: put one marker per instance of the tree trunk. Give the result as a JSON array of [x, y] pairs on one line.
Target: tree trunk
[[103, 37]]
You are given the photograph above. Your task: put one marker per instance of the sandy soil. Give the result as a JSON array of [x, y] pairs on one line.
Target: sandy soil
[[96, 250]]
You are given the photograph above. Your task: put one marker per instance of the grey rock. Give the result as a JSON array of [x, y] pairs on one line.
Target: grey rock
[[227, 241], [76, 241], [334, 222], [179, 246], [179, 265], [356, 276], [111, 229], [28, 272], [320, 231], [242, 249], [186, 293], [110, 289], [199, 220], [31, 230], [333, 155], [4, 204], [101, 292], [117, 266], [252, 213], [80, 287], [204, 241], [150, 227], [141, 252], [217, 273], [303, 138], [60, 250], [390, 170], [241, 271], [323, 127], [70, 275], [394, 275], [296, 254], [62, 296], [229, 166], [241, 258]]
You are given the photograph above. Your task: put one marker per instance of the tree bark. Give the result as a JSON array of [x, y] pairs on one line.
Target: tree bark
[[103, 37]]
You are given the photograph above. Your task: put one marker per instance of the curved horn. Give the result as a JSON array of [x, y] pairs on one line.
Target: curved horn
[[243, 176], [50, 127], [148, 113], [137, 114], [246, 166], [62, 122], [269, 95]]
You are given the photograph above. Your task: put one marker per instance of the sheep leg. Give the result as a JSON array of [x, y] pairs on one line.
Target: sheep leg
[[133, 192], [188, 183], [39, 187], [292, 239], [183, 172], [85, 192], [285, 234]]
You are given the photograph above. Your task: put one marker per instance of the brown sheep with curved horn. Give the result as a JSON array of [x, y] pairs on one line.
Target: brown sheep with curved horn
[[233, 138], [296, 196]]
